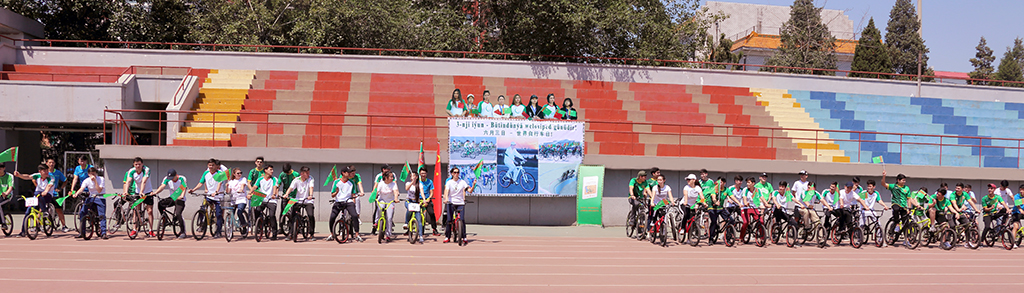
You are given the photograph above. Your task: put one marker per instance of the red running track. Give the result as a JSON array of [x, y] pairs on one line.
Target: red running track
[[492, 264]]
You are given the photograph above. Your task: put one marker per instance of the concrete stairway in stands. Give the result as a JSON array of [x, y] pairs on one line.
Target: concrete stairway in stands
[[222, 91], [788, 114]]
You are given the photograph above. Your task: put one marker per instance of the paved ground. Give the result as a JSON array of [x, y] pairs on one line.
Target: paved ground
[[498, 259]]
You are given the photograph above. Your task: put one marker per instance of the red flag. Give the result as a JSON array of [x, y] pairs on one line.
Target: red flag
[[438, 185]]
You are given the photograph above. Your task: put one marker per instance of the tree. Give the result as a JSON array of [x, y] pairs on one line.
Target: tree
[[806, 42], [253, 22], [1018, 51], [982, 62], [1009, 69], [67, 19], [723, 54], [871, 55], [905, 43]]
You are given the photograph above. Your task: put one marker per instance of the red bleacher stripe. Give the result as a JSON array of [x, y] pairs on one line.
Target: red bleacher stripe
[[401, 78], [595, 85], [285, 75], [334, 76]]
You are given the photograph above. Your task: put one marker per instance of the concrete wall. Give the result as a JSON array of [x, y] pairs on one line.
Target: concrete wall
[[500, 68], [58, 102], [156, 88]]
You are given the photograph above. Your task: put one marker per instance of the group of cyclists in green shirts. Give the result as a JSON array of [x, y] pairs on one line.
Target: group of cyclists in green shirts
[[750, 199], [266, 191]]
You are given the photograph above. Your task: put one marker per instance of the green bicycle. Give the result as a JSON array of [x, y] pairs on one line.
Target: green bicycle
[[415, 222], [382, 221]]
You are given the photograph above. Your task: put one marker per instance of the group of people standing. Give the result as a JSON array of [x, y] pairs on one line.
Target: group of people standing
[[471, 107]]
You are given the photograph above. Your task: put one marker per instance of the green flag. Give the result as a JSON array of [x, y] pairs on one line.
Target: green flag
[[332, 176], [287, 208], [220, 176], [10, 155], [257, 198], [661, 204], [137, 202], [479, 168], [809, 195], [877, 160], [1018, 202], [405, 172], [178, 192], [60, 200], [547, 112], [109, 195]]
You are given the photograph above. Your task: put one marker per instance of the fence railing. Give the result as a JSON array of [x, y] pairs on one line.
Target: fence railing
[[487, 55], [813, 144]]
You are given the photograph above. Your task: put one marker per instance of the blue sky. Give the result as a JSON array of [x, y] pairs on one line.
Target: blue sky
[[951, 28]]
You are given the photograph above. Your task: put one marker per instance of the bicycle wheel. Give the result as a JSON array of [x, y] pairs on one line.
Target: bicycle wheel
[[1006, 238], [822, 235], [1018, 236], [297, 227], [791, 236], [972, 238], [413, 231], [199, 225], [31, 226], [503, 180], [663, 235], [380, 232], [340, 230], [631, 223], [529, 183], [116, 219], [132, 224], [694, 238], [8, 224], [673, 227], [259, 229], [776, 232], [162, 227], [989, 237], [730, 235], [230, 223], [86, 225], [835, 236], [285, 226], [47, 224], [77, 209], [912, 235], [460, 226], [856, 237], [892, 234], [878, 236], [178, 226], [947, 239], [760, 234], [746, 234]]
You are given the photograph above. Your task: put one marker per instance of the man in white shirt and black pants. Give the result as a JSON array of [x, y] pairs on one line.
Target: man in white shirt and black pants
[[344, 201], [303, 187]]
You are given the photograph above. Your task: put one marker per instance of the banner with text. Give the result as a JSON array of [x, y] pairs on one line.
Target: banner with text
[[517, 157], [591, 194]]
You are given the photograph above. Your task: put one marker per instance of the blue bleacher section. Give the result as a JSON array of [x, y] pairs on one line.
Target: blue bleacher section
[[924, 116]]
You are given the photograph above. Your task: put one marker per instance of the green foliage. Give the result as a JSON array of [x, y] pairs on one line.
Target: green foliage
[[871, 54], [67, 19], [723, 54], [806, 42], [905, 43], [982, 62], [1010, 65]]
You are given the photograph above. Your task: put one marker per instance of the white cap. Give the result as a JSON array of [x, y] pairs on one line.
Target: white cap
[[691, 176]]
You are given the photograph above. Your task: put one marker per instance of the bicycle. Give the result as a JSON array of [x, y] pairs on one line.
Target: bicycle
[[967, 232], [873, 230], [7, 222], [526, 180], [90, 225], [382, 221], [693, 228], [808, 231], [167, 219], [659, 229], [205, 218], [36, 220], [301, 225], [995, 232], [231, 220], [853, 231], [264, 226], [342, 229], [414, 228], [458, 224], [119, 215], [636, 220], [137, 220], [1009, 237]]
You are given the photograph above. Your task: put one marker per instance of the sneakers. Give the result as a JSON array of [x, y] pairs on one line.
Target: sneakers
[[405, 226], [446, 240], [104, 236], [151, 234], [65, 229], [329, 238], [360, 239], [183, 236], [133, 233], [421, 239]]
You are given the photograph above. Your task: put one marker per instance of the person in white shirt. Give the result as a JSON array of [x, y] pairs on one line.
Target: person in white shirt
[[551, 107], [95, 186], [344, 202], [830, 204], [782, 199], [303, 187], [213, 190], [238, 189], [267, 184], [869, 198], [1004, 191], [800, 186], [45, 185], [486, 109], [455, 190], [173, 182], [691, 195], [387, 197], [501, 109], [849, 200], [511, 160], [659, 193], [517, 107], [136, 182]]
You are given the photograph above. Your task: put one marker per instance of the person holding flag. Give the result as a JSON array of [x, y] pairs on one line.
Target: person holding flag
[[567, 112], [60, 182], [264, 197], [501, 110], [303, 187], [751, 204], [869, 197], [551, 108], [456, 107], [95, 186], [176, 185], [900, 195], [136, 182], [533, 109], [471, 106], [213, 179], [6, 188], [344, 201], [287, 176], [44, 186], [782, 197], [517, 108], [385, 169], [239, 189], [661, 197], [691, 197]]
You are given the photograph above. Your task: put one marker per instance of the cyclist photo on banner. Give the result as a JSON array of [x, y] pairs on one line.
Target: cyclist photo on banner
[[517, 169]]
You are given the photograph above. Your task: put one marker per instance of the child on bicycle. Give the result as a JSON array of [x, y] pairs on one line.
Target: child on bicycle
[[751, 204], [990, 205], [138, 183], [781, 198], [173, 182], [691, 197], [44, 189], [940, 207], [95, 186]]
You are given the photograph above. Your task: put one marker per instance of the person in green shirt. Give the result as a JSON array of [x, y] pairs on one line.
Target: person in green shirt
[[638, 189], [964, 202], [652, 181], [940, 207], [990, 205], [6, 187], [285, 179], [920, 197], [900, 193], [716, 206], [763, 190], [256, 173], [707, 186]]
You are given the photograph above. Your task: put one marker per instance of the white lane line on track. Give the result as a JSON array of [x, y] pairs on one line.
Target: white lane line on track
[[179, 282], [375, 273], [292, 262], [377, 255]]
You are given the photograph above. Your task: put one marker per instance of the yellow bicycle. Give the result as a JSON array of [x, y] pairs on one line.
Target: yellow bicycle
[[36, 220]]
